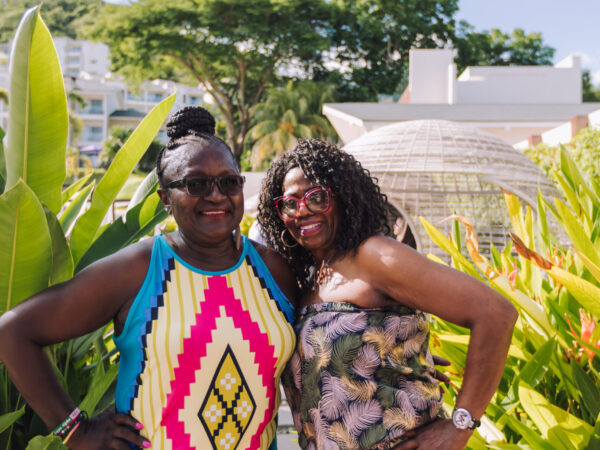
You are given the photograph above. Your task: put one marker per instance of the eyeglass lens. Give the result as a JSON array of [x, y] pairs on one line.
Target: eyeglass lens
[[228, 185], [316, 201]]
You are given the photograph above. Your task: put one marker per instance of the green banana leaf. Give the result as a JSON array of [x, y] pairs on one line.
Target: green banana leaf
[[145, 188], [101, 382], [50, 442], [62, 262], [564, 430], [2, 162], [71, 212], [85, 229], [535, 370], [138, 222], [6, 420], [37, 132], [25, 246], [68, 192]]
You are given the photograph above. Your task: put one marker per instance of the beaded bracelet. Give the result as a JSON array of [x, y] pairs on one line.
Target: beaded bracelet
[[70, 423]]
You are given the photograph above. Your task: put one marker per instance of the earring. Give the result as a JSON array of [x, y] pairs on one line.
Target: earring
[[285, 244], [238, 238]]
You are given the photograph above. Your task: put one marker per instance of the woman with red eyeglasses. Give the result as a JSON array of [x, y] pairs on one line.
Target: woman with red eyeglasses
[[362, 376], [202, 318]]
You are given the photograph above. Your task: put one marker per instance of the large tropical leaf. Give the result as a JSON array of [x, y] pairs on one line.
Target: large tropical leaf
[[6, 420], [564, 430], [49, 442], [139, 221], [37, 133], [85, 229], [25, 246], [62, 261], [583, 291], [2, 162]]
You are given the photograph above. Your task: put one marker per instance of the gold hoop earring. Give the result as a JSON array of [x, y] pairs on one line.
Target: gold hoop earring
[[238, 238], [285, 244]]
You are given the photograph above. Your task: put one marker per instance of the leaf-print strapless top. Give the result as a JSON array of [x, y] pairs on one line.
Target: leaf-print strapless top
[[360, 378]]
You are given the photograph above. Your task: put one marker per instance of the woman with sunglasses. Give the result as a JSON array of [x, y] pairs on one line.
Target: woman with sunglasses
[[203, 328], [362, 375]]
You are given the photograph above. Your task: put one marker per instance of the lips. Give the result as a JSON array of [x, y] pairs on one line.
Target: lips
[[214, 213], [310, 228]]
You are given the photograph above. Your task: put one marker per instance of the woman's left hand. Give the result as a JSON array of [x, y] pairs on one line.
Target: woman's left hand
[[440, 434]]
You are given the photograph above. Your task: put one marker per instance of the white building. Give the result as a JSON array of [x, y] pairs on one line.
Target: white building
[[109, 100], [514, 103]]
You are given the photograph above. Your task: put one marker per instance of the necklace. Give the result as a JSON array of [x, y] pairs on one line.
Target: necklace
[[322, 273]]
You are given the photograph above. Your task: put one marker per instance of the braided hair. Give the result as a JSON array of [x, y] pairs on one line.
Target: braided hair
[[363, 207], [188, 125]]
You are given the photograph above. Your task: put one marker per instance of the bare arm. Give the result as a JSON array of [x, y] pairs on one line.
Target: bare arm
[[415, 281], [85, 303]]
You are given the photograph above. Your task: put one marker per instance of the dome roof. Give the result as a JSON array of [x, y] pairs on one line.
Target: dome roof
[[435, 168]]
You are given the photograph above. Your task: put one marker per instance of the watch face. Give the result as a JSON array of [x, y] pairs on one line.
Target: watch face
[[461, 418]]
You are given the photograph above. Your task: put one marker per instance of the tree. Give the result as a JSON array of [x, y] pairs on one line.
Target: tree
[[495, 48], [371, 40], [234, 49], [117, 138], [589, 93], [62, 17], [287, 114]]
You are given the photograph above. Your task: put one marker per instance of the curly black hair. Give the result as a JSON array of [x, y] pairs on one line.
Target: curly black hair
[[190, 124], [364, 208]]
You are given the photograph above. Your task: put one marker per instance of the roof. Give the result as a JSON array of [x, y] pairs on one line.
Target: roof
[[127, 113], [395, 112]]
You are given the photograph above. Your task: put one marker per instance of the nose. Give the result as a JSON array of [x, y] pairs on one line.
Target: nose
[[215, 193], [302, 209]]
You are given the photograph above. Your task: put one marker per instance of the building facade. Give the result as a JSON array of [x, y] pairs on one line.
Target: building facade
[[513, 103], [109, 100]]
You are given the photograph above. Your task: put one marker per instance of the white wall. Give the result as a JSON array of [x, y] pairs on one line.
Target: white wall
[[530, 84], [428, 71]]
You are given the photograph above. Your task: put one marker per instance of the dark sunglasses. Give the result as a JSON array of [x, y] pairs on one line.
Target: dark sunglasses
[[316, 200], [203, 186]]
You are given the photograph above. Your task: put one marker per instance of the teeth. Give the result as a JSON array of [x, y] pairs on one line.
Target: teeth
[[213, 213], [309, 227]]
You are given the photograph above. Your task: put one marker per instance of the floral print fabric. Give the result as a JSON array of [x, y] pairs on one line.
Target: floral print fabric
[[360, 378]]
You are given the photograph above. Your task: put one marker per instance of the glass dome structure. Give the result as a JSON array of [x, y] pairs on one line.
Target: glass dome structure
[[436, 168]]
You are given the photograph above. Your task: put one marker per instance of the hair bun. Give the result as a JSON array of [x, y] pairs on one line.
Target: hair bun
[[190, 120]]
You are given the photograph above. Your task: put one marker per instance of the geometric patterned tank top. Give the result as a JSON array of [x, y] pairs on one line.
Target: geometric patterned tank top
[[201, 353]]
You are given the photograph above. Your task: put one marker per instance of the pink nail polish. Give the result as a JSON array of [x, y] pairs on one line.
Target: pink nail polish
[[139, 425], [147, 444]]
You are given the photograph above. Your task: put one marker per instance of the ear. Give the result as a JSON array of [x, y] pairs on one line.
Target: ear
[[164, 197]]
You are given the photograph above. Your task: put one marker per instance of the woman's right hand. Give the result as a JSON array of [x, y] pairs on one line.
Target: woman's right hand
[[108, 430]]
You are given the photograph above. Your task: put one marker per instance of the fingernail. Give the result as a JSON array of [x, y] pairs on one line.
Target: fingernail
[[139, 425], [147, 444]]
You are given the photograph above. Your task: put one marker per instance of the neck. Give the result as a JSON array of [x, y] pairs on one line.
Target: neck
[[213, 255]]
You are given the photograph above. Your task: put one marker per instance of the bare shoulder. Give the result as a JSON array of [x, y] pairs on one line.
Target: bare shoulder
[[379, 249], [280, 270]]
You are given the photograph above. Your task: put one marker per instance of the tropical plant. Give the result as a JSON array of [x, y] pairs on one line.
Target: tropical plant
[[287, 114], [549, 396], [584, 148], [45, 237], [116, 138]]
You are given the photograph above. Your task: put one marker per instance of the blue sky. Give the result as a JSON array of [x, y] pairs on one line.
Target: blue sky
[[569, 26]]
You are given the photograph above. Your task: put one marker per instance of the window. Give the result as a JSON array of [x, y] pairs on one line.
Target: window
[[138, 97], [94, 107], [193, 100], [75, 50], [92, 133], [155, 96]]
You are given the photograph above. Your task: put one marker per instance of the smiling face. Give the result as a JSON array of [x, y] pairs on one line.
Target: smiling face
[[313, 231], [206, 219]]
